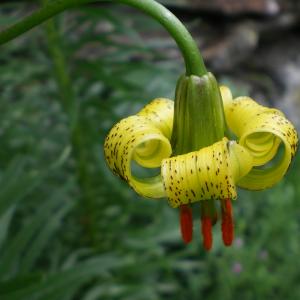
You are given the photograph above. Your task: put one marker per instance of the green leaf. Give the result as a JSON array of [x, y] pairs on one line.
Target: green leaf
[[55, 284], [16, 183], [43, 219], [5, 220], [51, 225], [19, 282]]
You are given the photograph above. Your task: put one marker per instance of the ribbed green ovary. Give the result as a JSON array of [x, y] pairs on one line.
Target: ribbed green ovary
[[209, 173], [145, 139], [260, 130]]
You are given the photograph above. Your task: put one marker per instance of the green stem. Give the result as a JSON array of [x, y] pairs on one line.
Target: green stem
[[71, 108], [193, 59], [67, 95]]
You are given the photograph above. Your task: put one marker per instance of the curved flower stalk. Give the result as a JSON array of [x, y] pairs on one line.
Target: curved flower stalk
[[210, 173]]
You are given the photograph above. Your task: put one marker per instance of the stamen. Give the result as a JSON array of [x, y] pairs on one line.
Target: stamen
[[215, 219], [208, 214], [186, 223], [206, 227], [212, 211], [227, 222]]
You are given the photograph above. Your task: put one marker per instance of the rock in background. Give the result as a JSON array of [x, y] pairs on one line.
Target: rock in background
[[255, 44]]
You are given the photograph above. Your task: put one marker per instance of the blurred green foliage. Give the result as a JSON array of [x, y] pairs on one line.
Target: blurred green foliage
[[68, 228]]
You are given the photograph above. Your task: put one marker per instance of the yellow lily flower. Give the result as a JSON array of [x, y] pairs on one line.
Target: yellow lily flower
[[211, 173]]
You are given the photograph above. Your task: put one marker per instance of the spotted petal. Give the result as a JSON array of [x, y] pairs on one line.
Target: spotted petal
[[261, 130], [143, 138], [209, 173]]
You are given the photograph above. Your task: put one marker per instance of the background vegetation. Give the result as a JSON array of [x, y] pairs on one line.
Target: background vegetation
[[68, 228]]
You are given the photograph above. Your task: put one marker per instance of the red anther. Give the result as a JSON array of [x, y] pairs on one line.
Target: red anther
[[227, 222], [186, 223], [206, 227]]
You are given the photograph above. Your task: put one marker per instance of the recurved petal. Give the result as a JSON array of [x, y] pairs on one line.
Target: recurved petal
[[282, 131], [226, 95], [209, 173], [241, 160], [137, 138], [160, 112], [243, 112], [261, 130]]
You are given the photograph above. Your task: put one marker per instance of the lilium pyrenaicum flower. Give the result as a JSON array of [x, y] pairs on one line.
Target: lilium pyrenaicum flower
[[211, 173], [187, 141]]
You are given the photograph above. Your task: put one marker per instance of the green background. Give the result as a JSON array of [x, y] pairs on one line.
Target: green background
[[68, 228]]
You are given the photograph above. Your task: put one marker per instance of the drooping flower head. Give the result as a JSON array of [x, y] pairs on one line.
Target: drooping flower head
[[208, 174]]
